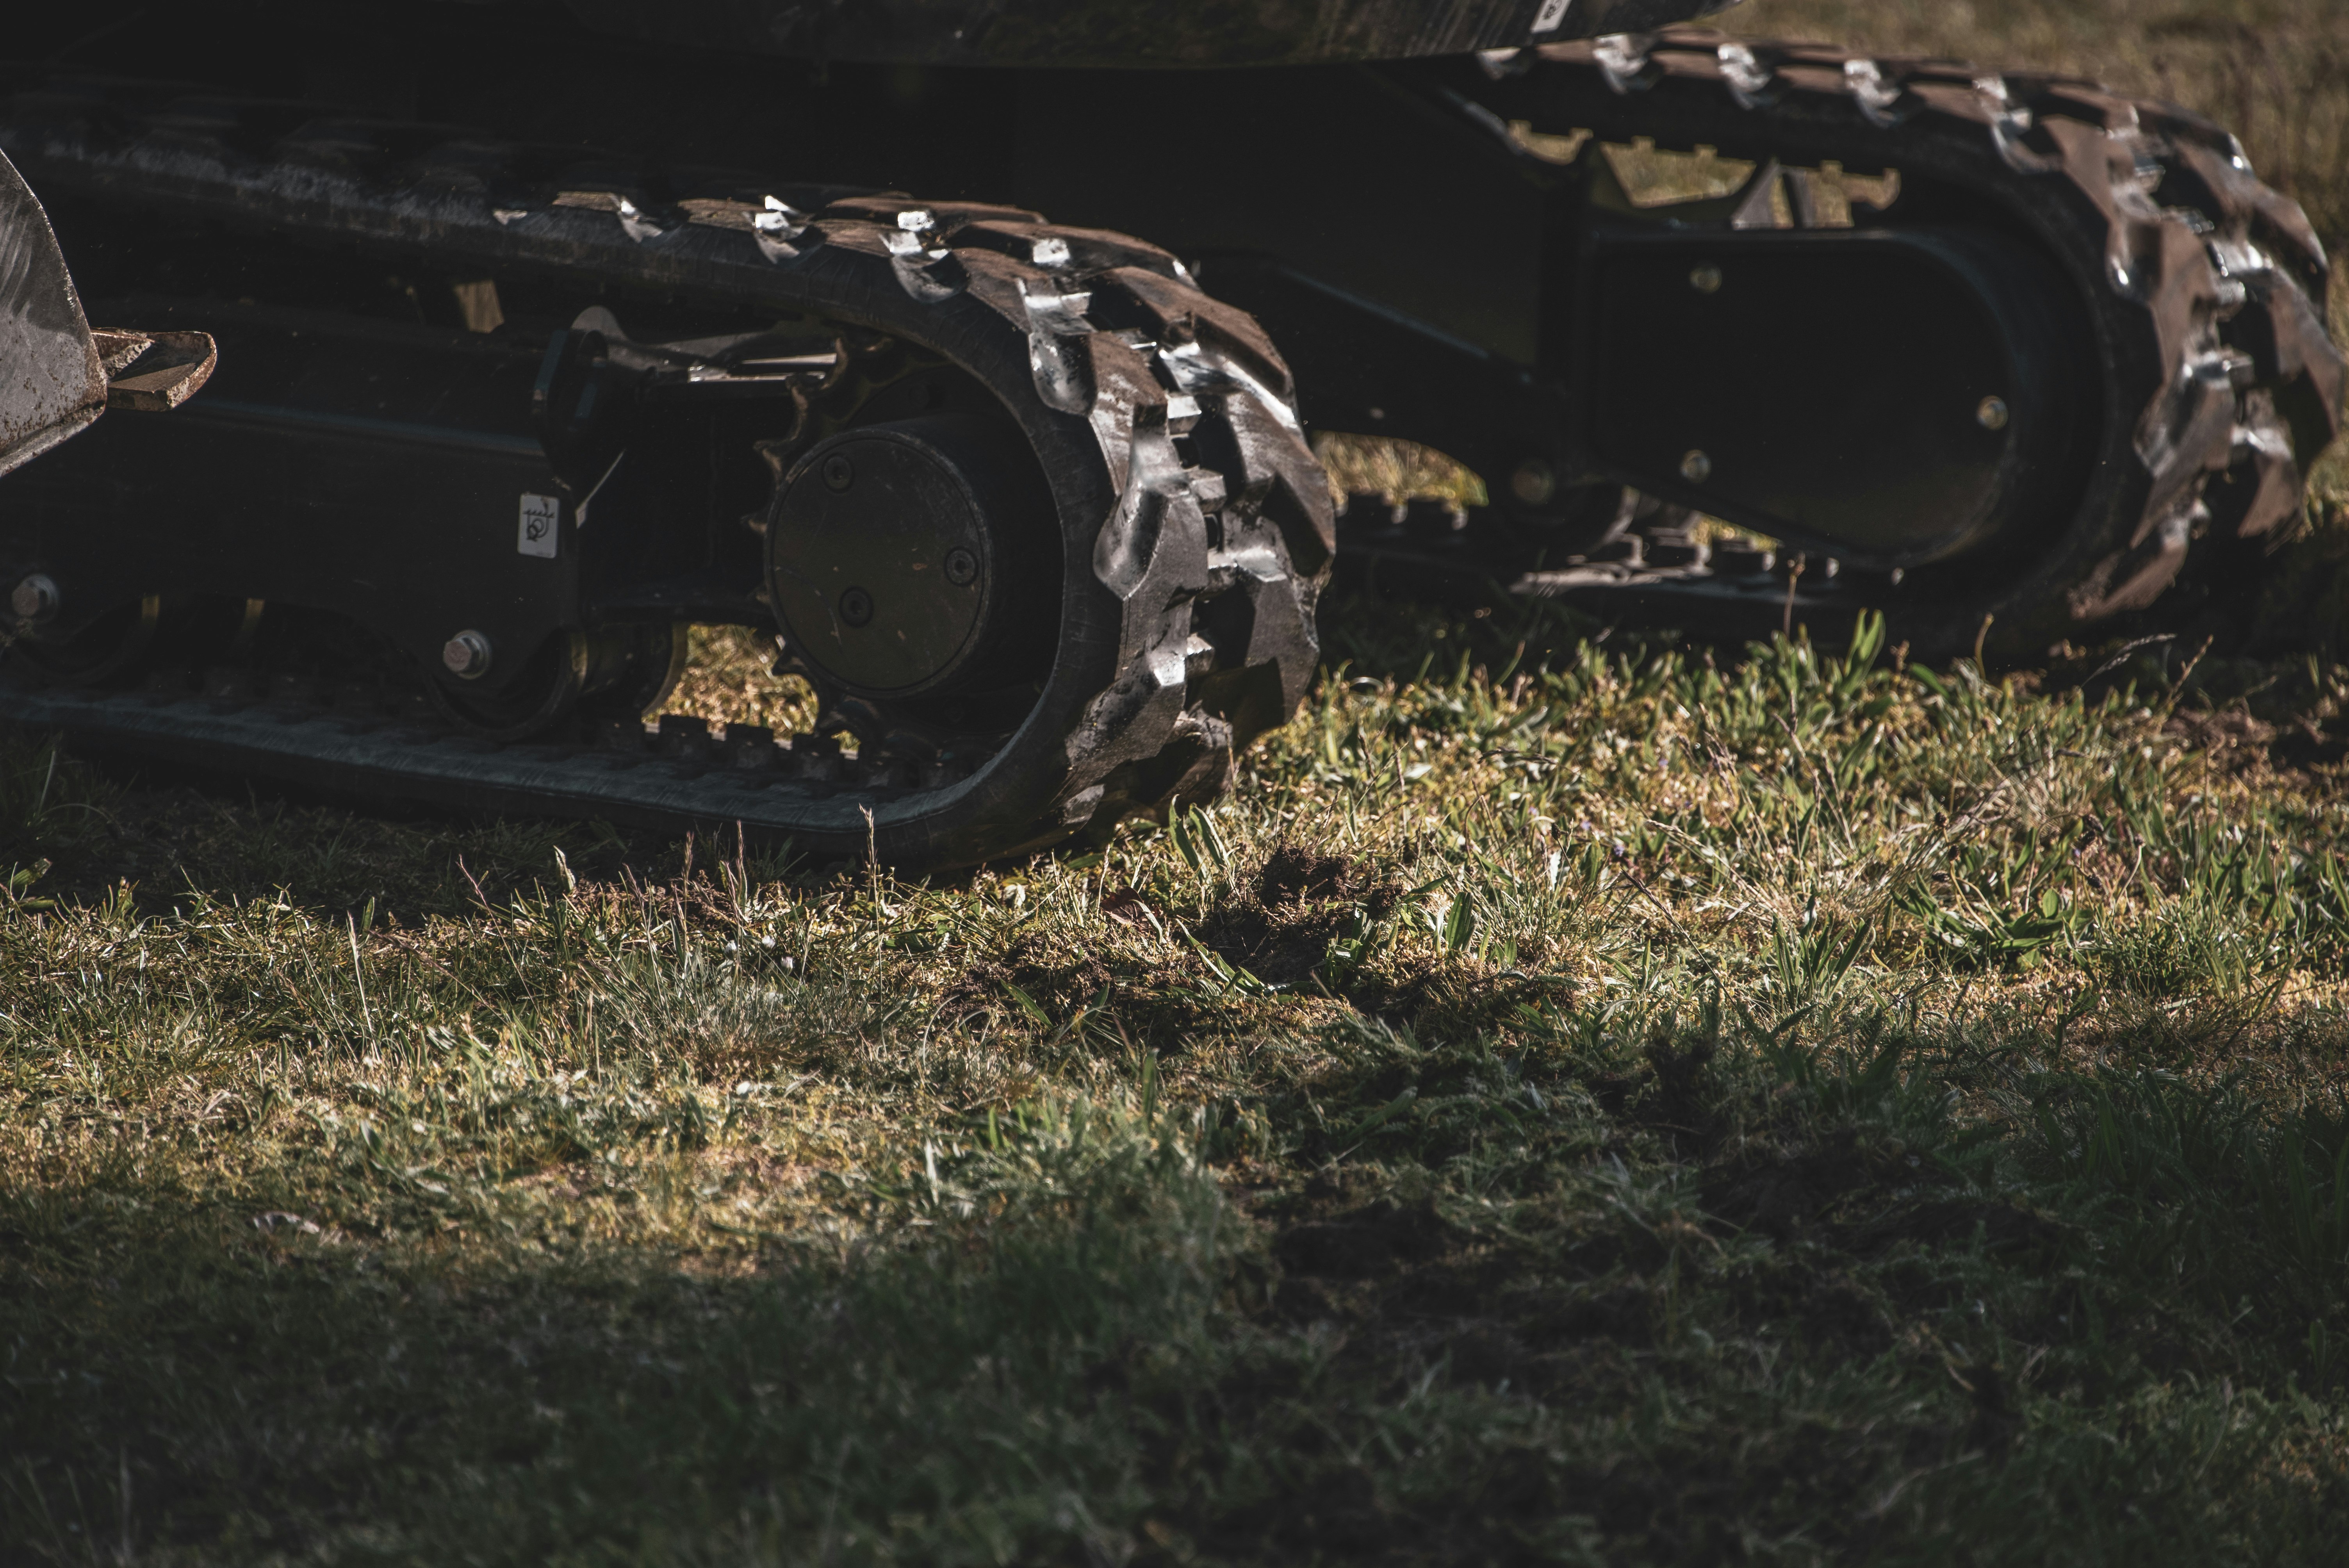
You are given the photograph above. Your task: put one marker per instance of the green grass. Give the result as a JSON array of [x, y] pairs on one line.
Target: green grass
[[1604, 1104]]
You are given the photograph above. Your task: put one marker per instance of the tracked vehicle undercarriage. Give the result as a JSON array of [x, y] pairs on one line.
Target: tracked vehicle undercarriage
[[499, 414]]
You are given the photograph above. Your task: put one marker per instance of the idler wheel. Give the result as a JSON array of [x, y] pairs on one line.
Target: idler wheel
[[915, 558], [619, 671]]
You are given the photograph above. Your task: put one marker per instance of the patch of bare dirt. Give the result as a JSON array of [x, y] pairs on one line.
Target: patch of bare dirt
[[2233, 739], [1281, 930], [1056, 979]]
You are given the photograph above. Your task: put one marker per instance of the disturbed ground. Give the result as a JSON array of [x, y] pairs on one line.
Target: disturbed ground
[[1608, 1103]]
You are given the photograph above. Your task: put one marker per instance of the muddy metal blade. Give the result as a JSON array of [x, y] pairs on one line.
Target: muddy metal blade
[[52, 382]]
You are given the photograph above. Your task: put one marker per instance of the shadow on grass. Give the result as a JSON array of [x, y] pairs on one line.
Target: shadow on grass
[[190, 1368], [1598, 1299], [78, 830]]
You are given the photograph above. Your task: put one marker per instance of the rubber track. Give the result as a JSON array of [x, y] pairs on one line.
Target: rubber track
[[1122, 352], [2207, 287]]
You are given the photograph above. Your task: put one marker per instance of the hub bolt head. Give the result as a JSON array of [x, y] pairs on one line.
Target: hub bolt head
[[35, 598], [1696, 468], [855, 606], [1533, 482], [1991, 413], [1705, 278], [839, 473], [962, 567], [467, 655]]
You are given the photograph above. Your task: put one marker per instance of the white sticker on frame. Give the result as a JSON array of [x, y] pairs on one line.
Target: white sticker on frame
[[1552, 16], [541, 516]]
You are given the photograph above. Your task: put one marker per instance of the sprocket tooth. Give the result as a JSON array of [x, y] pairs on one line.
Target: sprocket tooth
[[1078, 253], [1189, 313], [2133, 577], [2259, 496], [948, 218], [2288, 342], [2232, 194]]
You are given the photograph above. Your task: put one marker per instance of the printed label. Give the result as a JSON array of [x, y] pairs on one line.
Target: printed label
[[540, 515], [1552, 14]]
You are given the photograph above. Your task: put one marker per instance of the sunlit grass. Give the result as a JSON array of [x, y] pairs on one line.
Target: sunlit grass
[[729, 678], [1394, 471]]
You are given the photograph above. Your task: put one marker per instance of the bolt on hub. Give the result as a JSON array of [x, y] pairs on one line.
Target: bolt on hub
[[36, 598], [467, 655]]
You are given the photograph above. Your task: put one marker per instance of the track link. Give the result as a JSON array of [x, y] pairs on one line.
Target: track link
[[2205, 287], [1195, 526]]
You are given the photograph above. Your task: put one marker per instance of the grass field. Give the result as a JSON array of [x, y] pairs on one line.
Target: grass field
[[1600, 1103], [1595, 1102]]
